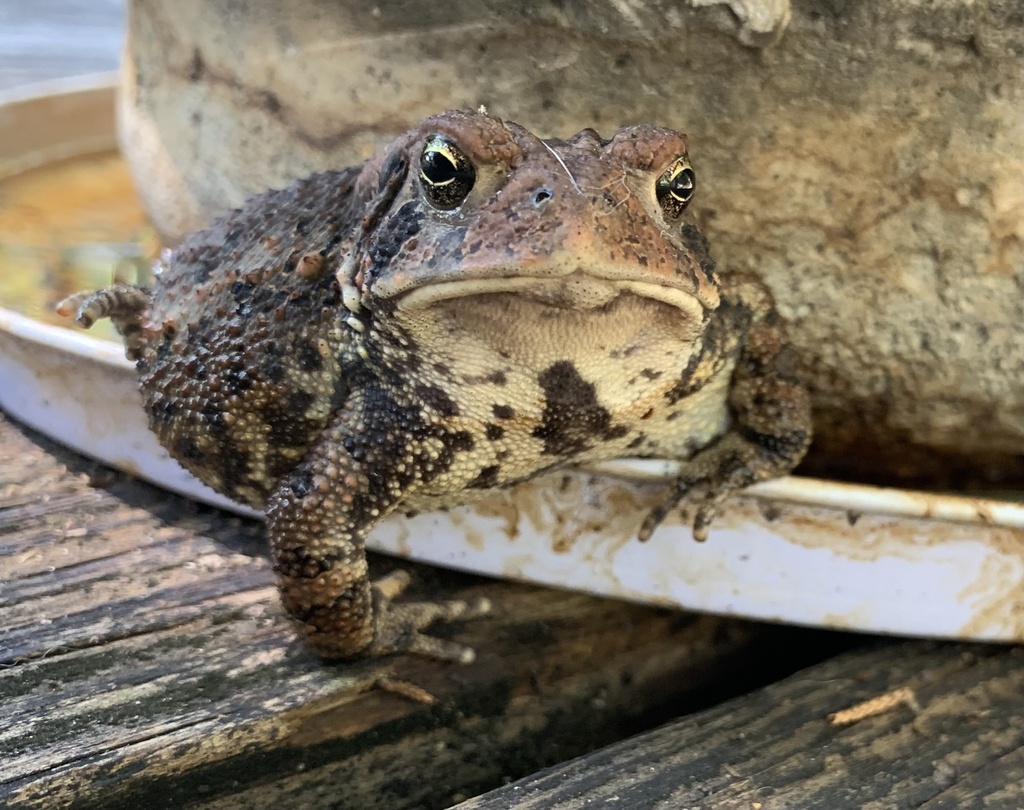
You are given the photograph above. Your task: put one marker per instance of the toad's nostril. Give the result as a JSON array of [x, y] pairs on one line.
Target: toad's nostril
[[542, 196]]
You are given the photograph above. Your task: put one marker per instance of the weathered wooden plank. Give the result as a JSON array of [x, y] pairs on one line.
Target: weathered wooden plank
[[145, 661], [775, 749]]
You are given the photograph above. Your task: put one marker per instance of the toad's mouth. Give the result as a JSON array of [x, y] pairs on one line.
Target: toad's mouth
[[577, 291]]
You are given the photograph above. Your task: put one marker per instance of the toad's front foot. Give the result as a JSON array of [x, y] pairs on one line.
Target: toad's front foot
[[700, 493], [397, 626]]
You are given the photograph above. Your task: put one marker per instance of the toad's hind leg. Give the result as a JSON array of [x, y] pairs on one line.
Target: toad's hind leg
[[771, 414], [124, 304], [317, 520]]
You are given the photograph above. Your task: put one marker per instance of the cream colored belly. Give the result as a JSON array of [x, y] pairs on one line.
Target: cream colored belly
[[653, 428]]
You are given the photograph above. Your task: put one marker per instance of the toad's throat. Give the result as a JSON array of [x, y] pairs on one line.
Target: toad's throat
[[578, 291]]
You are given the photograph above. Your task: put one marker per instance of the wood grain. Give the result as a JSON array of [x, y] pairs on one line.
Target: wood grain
[[776, 749], [145, 662]]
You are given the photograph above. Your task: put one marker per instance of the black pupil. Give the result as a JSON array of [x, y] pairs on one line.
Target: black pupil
[[438, 167], [682, 184]]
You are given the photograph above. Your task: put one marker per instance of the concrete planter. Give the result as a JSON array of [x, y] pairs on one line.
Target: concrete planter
[[865, 159]]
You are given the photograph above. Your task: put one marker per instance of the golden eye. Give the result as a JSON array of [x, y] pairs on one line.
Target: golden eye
[[674, 188], [446, 174]]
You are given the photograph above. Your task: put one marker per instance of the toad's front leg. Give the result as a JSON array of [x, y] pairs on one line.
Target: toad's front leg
[[317, 520], [769, 406]]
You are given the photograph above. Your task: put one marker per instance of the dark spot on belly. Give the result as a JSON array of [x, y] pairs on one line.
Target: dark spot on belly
[[461, 441], [573, 419], [431, 465], [487, 478], [503, 411], [494, 432]]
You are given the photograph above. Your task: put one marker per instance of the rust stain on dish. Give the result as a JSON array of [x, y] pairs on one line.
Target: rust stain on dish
[[505, 508], [996, 598]]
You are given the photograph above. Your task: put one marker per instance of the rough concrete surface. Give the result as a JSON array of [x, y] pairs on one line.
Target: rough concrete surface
[[865, 159]]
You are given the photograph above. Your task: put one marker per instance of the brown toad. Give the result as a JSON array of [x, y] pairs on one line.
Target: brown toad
[[470, 308]]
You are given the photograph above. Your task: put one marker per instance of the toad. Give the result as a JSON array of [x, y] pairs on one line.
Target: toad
[[472, 307]]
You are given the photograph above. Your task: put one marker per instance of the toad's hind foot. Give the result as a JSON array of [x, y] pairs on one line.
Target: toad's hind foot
[[397, 626], [124, 304]]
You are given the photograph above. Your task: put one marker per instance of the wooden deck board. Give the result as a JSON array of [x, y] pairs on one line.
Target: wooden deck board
[[145, 661], [775, 749]]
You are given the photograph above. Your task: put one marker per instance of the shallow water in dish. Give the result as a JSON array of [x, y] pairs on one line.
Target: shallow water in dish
[[70, 225]]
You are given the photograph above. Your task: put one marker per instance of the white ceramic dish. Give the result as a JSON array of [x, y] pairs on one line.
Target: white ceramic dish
[[796, 550]]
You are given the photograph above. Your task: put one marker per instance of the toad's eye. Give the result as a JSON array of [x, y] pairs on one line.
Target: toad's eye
[[674, 189], [446, 174]]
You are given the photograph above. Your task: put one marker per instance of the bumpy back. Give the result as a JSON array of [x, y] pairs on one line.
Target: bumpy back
[[241, 365]]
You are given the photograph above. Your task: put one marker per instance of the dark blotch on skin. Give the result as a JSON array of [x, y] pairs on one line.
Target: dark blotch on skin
[[572, 418], [775, 443], [393, 232], [436, 399], [461, 441], [719, 344], [503, 411], [298, 562], [487, 478], [309, 358], [189, 450], [163, 412], [215, 422], [395, 165], [698, 245], [237, 380], [241, 291], [299, 402], [205, 259], [494, 432], [451, 243]]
